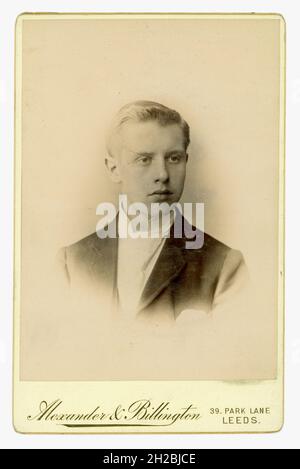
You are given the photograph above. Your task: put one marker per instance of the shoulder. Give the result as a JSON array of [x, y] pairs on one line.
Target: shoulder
[[214, 259], [224, 266], [211, 244], [84, 245], [229, 259], [89, 257], [233, 278], [85, 250], [205, 247]]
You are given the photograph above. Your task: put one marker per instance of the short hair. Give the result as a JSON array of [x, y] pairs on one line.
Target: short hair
[[143, 111]]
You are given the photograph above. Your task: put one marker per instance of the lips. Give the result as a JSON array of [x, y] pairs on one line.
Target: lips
[[162, 192]]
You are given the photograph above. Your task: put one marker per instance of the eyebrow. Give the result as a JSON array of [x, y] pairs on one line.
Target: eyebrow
[[168, 153], [144, 153], [172, 152]]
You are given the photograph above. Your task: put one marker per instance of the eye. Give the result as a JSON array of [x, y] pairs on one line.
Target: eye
[[143, 160], [175, 158]]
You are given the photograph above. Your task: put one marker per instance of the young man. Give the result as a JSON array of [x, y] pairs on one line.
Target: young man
[[151, 277]]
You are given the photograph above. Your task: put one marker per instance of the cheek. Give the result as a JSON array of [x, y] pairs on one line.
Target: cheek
[[135, 181], [128, 175], [139, 176], [178, 174]]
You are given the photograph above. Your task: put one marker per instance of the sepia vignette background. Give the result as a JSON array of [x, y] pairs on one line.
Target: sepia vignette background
[[223, 77]]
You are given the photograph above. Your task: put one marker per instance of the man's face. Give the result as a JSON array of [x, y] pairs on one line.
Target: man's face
[[151, 162]]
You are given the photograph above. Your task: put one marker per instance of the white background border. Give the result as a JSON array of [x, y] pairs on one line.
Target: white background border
[[289, 435]]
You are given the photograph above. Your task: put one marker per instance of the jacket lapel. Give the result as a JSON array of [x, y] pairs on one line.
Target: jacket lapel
[[104, 264], [168, 266]]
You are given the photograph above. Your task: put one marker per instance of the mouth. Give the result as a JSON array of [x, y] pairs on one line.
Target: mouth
[[162, 192]]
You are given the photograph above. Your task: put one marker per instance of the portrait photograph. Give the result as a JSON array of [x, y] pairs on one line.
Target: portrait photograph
[[149, 200]]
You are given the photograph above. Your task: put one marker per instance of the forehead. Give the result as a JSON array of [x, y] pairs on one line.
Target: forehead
[[150, 136]]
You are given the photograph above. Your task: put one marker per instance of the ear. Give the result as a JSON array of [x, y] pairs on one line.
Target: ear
[[113, 170], [187, 157]]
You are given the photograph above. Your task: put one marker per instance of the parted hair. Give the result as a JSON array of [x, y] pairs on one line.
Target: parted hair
[[142, 111]]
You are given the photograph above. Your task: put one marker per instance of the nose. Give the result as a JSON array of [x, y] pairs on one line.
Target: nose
[[161, 174]]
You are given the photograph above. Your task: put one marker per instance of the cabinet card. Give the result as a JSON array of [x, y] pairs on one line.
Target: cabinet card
[[149, 223]]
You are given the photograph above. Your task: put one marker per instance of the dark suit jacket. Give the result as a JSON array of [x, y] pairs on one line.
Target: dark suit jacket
[[182, 279]]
